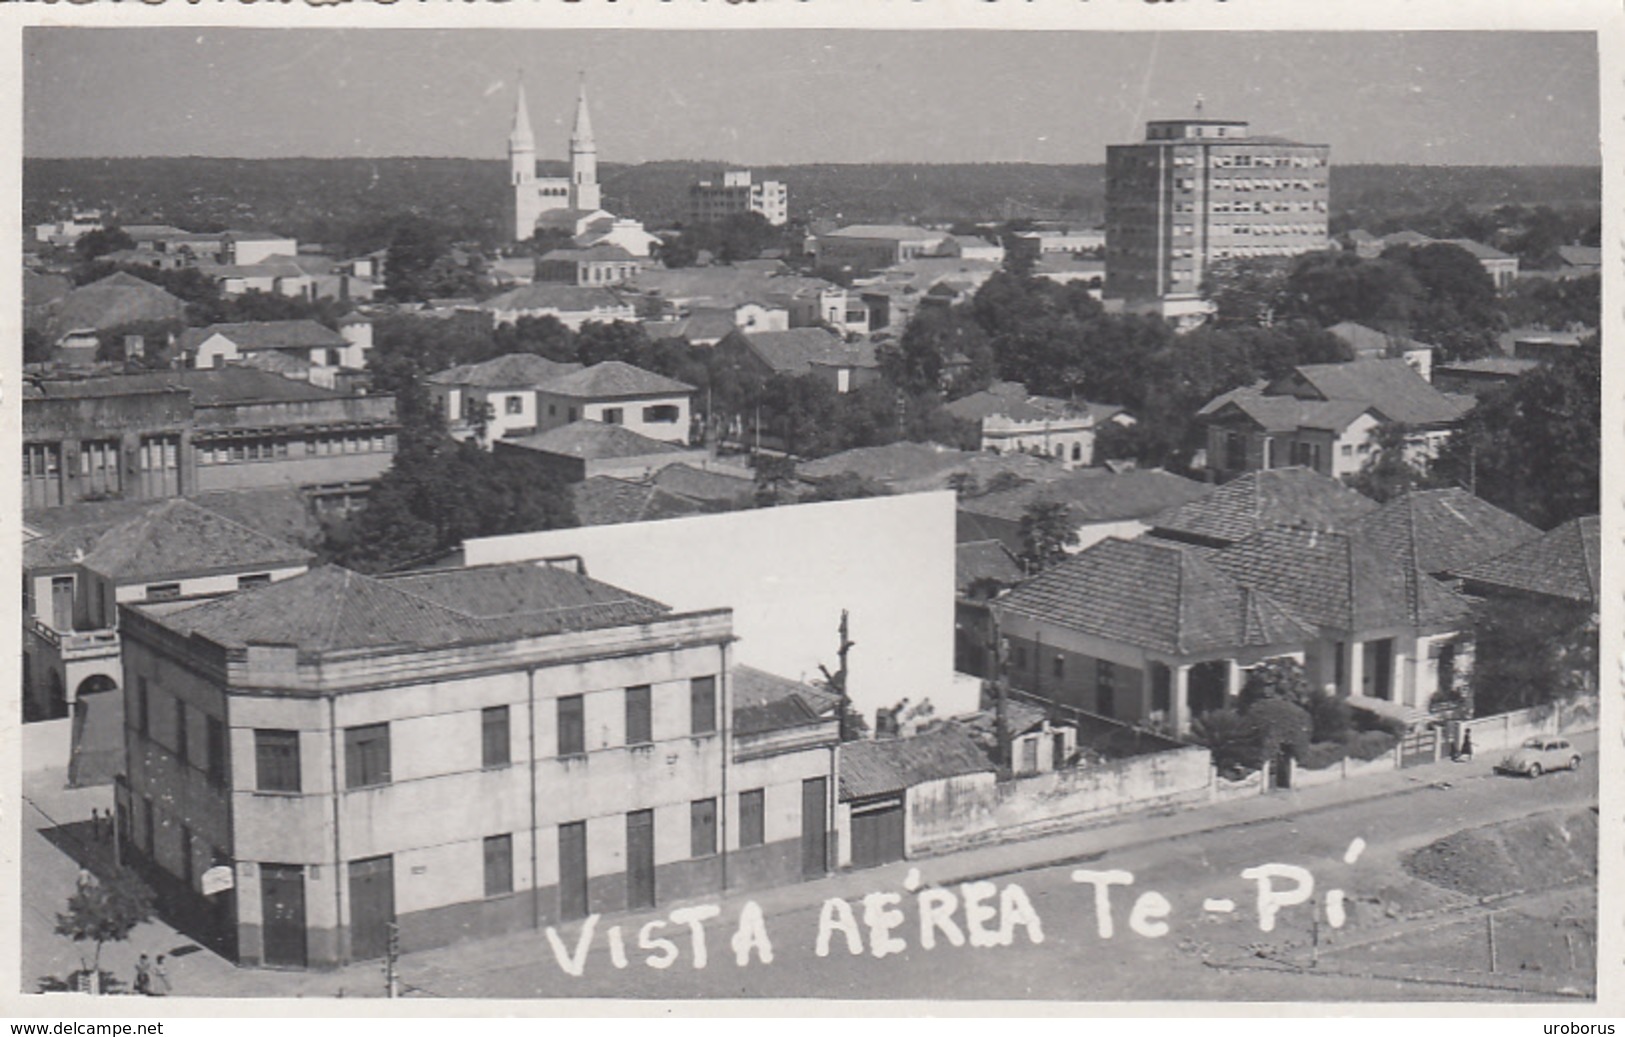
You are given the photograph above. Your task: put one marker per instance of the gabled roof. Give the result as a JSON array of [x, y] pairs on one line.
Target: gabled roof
[[1369, 343], [699, 326], [1011, 400], [179, 538], [595, 254], [565, 298], [513, 371], [615, 378], [1564, 563], [1154, 595], [120, 298], [281, 513], [886, 765], [593, 441], [1391, 386], [1580, 255], [764, 702], [797, 350], [890, 231], [1444, 530], [214, 386], [1260, 500], [703, 485], [266, 334], [603, 500], [1339, 580], [1095, 495], [1285, 413], [894, 462], [985, 560], [333, 609]]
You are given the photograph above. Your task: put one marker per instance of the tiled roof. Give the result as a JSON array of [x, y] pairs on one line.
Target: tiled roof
[[702, 484], [893, 232], [512, 371], [985, 560], [1580, 255], [120, 298], [268, 334], [796, 350], [1259, 500], [592, 441], [564, 298], [702, 324], [603, 500], [333, 609], [1444, 530], [1011, 400], [178, 537], [1391, 386], [881, 766], [1564, 563], [1339, 580], [894, 462], [1153, 595], [595, 254], [215, 386], [281, 513], [1369, 343], [970, 528], [1511, 367], [613, 378], [1095, 495], [764, 702]]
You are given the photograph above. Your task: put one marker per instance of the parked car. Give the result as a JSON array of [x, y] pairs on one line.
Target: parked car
[[1540, 754]]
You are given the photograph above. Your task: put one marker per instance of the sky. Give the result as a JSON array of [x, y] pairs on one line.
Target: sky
[[765, 97]]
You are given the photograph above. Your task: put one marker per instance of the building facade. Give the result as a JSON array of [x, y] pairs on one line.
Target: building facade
[[732, 193], [1199, 190], [510, 747]]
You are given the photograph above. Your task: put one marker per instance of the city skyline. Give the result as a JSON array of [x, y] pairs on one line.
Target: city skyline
[[837, 96]]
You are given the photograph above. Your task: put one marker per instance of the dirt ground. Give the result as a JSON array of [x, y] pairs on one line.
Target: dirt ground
[[1531, 854]]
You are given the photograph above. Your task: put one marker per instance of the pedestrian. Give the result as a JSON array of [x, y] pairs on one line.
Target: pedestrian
[[86, 879], [160, 978], [143, 975], [1467, 746], [96, 824]]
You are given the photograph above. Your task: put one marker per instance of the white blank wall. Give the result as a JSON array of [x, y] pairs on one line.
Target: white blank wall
[[787, 572]]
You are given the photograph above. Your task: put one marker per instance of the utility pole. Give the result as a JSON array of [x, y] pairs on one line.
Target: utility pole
[[1001, 696], [837, 680]]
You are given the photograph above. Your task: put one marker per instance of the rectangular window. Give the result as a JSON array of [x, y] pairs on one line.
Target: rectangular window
[[703, 828], [163, 591], [253, 580], [702, 697], [217, 752], [660, 414], [141, 705], [366, 756], [494, 740], [752, 818], [1105, 688], [181, 747], [1059, 667], [612, 415], [276, 761], [498, 865], [639, 716], [515, 405], [572, 726]]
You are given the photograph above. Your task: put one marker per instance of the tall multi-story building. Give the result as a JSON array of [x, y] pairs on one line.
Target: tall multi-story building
[[1200, 190], [322, 761], [733, 193]]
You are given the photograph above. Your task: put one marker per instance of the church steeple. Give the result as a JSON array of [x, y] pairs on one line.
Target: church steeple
[[520, 137], [583, 156]]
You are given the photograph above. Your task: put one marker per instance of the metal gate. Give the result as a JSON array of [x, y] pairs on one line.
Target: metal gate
[[1419, 745], [877, 831], [372, 906]]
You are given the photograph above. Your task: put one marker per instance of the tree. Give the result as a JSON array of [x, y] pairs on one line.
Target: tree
[[1233, 740], [775, 479], [1247, 291], [414, 246], [1281, 679], [1047, 530], [100, 242], [1387, 471], [1282, 726], [105, 912], [36, 347], [1329, 288], [1534, 448], [619, 340], [1531, 654]]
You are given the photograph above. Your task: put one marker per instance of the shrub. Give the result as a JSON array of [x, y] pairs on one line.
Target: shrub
[[1281, 725], [1275, 679], [1368, 745], [1319, 755], [1233, 740], [1368, 720], [1331, 717]]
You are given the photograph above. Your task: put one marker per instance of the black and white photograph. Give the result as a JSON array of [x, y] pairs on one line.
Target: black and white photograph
[[812, 513]]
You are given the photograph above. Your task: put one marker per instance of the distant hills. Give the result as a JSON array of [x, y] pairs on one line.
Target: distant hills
[[346, 201]]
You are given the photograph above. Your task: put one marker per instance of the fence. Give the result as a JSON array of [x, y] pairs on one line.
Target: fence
[[1508, 730], [1224, 789], [47, 744], [1342, 770], [1169, 778]]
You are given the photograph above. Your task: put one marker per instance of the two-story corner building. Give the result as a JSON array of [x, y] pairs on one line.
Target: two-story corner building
[[173, 433], [1143, 631], [617, 393], [499, 393], [458, 753], [75, 578], [315, 344], [1014, 421], [591, 267], [1323, 416]]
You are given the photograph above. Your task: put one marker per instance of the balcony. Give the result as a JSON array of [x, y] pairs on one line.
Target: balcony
[[77, 645]]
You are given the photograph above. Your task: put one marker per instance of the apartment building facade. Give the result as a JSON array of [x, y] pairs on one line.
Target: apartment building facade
[[733, 193]]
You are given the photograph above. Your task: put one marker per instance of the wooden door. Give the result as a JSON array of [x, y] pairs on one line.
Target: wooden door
[[573, 870], [814, 827], [372, 906], [640, 859], [62, 603], [282, 905], [877, 832]]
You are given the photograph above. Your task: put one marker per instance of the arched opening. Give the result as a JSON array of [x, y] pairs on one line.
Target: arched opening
[[94, 685]]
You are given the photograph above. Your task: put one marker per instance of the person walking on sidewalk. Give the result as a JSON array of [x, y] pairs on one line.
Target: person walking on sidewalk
[[143, 976], [1466, 752], [160, 979]]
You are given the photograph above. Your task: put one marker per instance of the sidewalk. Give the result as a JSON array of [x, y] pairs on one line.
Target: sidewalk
[[205, 974]]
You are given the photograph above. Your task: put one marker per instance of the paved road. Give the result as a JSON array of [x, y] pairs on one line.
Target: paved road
[[1196, 959]]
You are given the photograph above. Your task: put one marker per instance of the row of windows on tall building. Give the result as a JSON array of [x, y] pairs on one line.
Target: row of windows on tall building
[[367, 747], [237, 449]]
